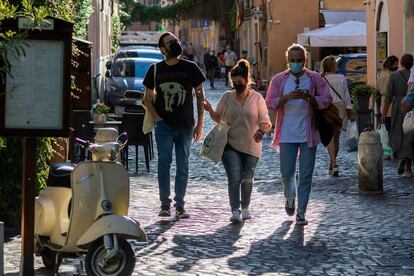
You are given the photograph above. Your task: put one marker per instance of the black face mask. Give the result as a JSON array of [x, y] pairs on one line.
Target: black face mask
[[175, 49], [239, 87]]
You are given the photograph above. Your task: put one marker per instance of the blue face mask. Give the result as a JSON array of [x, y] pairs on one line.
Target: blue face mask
[[296, 68]]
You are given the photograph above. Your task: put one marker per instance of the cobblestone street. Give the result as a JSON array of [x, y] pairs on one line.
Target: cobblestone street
[[348, 233]]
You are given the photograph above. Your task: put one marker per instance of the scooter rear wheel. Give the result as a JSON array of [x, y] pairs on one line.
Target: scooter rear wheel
[[124, 264]]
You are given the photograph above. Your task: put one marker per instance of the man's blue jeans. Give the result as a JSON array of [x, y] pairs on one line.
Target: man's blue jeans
[[240, 170], [167, 137], [288, 154]]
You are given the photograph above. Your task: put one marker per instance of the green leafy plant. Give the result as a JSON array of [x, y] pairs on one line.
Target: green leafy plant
[[83, 10], [101, 108], [362, 90], [117, 28]]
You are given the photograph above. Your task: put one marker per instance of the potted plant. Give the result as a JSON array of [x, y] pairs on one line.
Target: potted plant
[[99, 111], [361, 92]]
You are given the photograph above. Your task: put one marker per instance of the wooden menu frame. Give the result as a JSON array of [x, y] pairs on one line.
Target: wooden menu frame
[[36, 102]]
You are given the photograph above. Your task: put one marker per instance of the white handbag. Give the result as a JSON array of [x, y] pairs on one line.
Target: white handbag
[[216, 140], [148, 124], [408, 124]]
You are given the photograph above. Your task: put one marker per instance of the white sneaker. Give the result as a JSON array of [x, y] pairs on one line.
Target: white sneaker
[[235, 217], [246, 214]]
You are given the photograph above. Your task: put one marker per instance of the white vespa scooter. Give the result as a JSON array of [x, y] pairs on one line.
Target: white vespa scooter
[[84, 209]]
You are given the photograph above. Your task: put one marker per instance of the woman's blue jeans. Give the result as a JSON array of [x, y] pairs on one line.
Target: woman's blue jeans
[[169, 137], [240, 171], [288, 154]]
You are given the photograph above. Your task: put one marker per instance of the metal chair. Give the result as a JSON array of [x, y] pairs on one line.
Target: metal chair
[[132, 125], [83, 130]]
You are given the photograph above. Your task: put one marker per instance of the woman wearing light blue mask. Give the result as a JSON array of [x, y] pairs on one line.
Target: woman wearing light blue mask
[[293, 95]]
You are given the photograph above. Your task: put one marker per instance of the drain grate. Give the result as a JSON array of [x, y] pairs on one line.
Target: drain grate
[[394, 261]]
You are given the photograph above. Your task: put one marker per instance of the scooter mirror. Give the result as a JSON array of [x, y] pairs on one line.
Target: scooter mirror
[[122, 139]]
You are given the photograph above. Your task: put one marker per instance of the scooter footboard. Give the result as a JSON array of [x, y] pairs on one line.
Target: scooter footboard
[[113, 224]]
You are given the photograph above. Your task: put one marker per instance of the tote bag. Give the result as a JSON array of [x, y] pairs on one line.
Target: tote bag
[[216, 140], [148, 124]]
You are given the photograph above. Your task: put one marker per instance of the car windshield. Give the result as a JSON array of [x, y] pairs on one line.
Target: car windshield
[[131, 68], [151, 55], [141, 54]]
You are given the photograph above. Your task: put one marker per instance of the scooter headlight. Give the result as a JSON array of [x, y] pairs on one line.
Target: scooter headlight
[[106, 205]]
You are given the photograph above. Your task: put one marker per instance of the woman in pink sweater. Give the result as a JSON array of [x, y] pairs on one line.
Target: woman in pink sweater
[[245, 111]]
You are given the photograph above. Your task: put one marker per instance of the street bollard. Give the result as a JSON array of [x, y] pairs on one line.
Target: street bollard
[[370, 167], [1, 248]]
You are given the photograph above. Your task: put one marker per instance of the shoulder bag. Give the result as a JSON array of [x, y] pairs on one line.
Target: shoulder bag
[[148, 124], [327, 121], [216, 140]]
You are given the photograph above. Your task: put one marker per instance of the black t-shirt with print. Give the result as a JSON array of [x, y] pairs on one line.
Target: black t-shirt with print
[[175, 83]]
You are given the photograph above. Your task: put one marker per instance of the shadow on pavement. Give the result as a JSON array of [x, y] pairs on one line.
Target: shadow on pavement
[[154, 231], [210, 246], [279, 252]]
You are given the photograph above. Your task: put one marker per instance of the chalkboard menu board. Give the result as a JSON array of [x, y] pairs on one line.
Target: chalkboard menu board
[[36, 95]]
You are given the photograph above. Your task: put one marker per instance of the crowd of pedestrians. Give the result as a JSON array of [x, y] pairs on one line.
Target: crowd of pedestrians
[[397, 87], [294, 95]]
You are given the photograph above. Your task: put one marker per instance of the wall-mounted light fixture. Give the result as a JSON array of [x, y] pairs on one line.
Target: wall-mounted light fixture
[[370, 3]]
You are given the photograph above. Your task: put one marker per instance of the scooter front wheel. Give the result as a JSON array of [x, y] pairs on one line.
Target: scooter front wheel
[[49, 258], [122, 264]]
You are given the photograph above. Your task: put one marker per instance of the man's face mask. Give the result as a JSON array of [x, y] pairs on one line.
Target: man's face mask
[[296, 68], [175, 49]]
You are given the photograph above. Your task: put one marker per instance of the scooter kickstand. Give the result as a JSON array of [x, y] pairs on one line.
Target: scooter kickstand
[[56, 268]]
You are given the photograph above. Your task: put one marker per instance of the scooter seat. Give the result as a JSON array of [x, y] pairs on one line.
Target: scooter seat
[[59, 175]]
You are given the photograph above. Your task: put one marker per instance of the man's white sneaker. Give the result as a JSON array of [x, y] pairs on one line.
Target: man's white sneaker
[[246, 214], [235, 217]]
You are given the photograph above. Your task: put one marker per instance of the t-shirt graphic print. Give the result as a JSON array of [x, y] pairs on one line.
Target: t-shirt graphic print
[[174, 95]]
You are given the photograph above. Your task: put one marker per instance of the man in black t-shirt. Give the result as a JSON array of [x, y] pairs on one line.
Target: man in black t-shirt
[[171, 106]]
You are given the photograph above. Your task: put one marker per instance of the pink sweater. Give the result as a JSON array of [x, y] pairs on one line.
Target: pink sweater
[[244, 120], [319, 89]]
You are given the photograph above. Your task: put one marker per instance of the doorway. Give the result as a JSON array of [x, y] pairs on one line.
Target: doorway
[[409, 26]]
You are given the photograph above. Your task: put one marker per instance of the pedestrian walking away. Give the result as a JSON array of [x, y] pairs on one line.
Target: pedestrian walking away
[[211, 63], [230, 59], [338, 87], [169, 97], [245, 111], [390, 65], [293, 95], [402, 144], [190, 52]]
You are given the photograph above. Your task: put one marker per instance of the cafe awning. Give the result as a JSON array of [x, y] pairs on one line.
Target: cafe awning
[[348, 34], [335, 17]]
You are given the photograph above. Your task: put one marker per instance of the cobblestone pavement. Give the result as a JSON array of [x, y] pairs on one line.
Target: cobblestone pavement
[[348, 233]]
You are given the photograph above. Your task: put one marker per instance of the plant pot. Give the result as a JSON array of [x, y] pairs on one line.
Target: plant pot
[[363, 103], [99, 118]]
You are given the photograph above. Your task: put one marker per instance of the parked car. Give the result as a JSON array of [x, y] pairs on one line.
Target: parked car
[[124, 79], [138, 52], [353, 67]]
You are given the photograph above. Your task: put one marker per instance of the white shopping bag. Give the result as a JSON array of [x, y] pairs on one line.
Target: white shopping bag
[[385, 140], [351, 141]]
